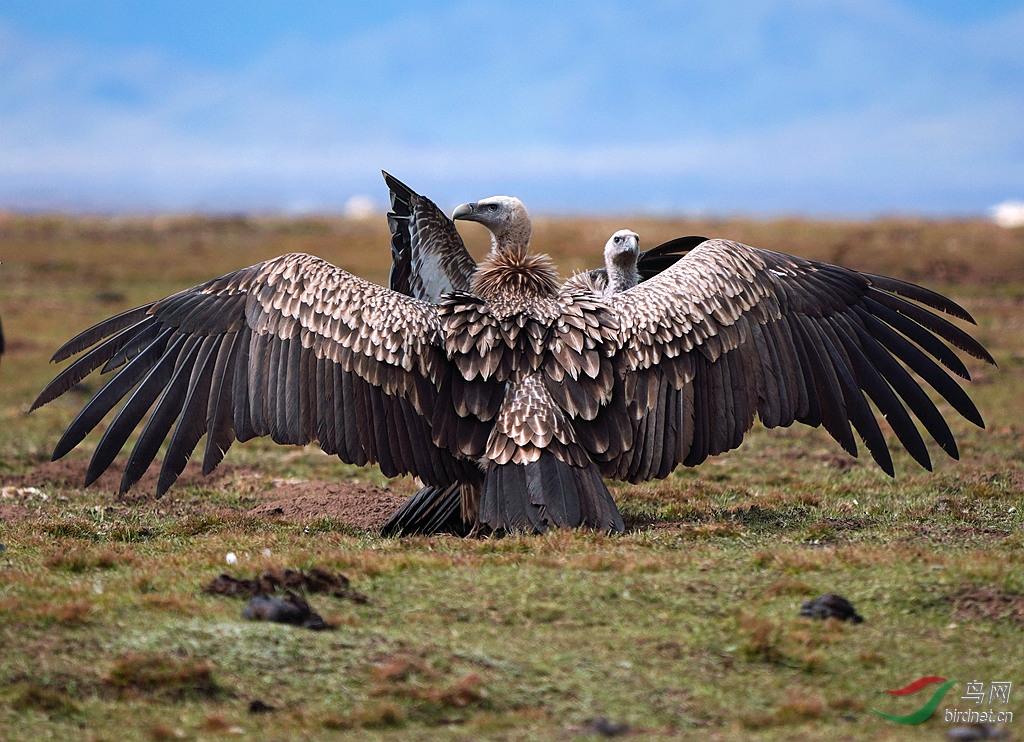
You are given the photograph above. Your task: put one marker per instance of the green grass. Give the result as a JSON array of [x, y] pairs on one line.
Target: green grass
[[685, 627]]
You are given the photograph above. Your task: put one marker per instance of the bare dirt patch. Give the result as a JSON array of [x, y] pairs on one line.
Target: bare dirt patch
[[11, 513], [70, 474], [316, 580], [989, 603], [359, 505], [353, 503]]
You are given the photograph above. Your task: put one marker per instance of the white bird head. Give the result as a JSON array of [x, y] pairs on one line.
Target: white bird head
[[504, 216], [622, 249]]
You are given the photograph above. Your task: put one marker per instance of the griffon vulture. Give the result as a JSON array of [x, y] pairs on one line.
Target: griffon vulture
[[521, 391]]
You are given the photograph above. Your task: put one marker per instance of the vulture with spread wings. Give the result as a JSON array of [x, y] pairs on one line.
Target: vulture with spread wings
[[526, 392]]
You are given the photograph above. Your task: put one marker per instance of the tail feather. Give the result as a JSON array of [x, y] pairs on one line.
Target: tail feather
[[431, 510], [546, 493], [598, 511], [505, 504], [553, 489]]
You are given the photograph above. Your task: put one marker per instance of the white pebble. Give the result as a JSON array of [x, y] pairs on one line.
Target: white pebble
[[230, 558]]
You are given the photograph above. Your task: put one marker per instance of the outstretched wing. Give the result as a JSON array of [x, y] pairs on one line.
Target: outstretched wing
[[292, 348], [428, 256], [731, 331]]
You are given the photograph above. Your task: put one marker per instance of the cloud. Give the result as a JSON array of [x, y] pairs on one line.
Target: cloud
[[743, 106], [1009, 214]]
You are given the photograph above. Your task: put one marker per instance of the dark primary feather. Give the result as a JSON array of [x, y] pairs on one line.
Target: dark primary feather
[[652, 262], [921, 294]]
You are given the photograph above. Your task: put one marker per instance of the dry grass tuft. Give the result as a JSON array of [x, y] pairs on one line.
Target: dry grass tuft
[[64, 613], [220, 725], [400, 668], [163, 732], [380, 714], [32, 696], [413, 680], [800, 706], [788, 586], [778, 643], [162, 675], [464, 691], [82, 559], [181, 603]]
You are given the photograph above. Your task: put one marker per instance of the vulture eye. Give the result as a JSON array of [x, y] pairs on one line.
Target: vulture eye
[[492, 207], [618, 240]]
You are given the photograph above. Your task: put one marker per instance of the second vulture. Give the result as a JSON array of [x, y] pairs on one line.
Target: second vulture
[[526, 392]]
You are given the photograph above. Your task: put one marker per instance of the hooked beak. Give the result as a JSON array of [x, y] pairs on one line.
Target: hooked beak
[[465, 211]]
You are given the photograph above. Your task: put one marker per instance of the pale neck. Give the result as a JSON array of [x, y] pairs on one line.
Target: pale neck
[[620, 279]]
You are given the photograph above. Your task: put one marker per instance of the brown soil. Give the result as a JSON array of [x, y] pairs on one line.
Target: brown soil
[[316, 580], [360, 505], [989, 603], [70, 474], [9, 513]]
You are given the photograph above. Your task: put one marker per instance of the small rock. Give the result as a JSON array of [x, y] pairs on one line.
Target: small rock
[[602, 727], [831, 605], [972, 732], [257, 706], [292, 609], [230, 557]]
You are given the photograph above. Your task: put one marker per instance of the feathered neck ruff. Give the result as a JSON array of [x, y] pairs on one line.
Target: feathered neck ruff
[[515, 272]]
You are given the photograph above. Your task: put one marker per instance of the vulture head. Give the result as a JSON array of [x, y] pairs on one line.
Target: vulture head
[[622, 249], [620, 256], [504, 216]]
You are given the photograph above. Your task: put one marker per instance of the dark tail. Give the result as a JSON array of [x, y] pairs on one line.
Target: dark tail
[[544, 494], [431, 510]]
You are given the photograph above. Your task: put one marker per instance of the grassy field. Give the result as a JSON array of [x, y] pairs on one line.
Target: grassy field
[[686, 627]]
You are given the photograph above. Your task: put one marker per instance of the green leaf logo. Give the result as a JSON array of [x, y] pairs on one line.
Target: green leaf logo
[[916, 717]]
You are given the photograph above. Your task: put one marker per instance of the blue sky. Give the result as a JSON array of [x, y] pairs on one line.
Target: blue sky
[[809, 107]]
